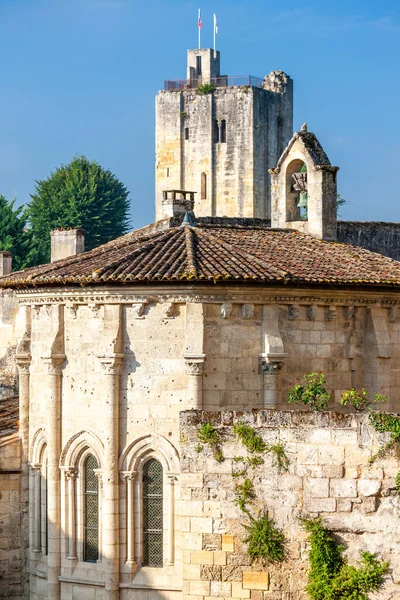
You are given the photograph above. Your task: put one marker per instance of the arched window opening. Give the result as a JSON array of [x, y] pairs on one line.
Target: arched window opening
[[296, 191], [153, 513], [186, 133], [203, 186], [91, 510], [223, 132], [215, 131]]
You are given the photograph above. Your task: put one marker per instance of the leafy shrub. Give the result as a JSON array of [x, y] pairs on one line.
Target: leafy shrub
[[359, 399], [205, 88], [313, 393], [330, 577], [265, 540], [207, 434]]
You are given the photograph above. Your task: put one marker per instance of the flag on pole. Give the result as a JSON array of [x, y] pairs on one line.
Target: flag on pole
[[215, 23], [199, 23]]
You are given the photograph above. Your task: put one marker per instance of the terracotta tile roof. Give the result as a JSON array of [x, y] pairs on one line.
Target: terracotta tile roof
[[210, 253], [9, 415]]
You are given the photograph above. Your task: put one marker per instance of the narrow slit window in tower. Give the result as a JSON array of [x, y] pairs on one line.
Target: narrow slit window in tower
[[198, 66], [215, 131], [91, 510], [223, 132], [203, 186], [186, 133], [153, 514]]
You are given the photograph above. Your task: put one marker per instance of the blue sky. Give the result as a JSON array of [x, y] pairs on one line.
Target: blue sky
[[80, 77]]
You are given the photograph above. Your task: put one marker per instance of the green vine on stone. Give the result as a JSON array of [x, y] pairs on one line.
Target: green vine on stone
[[385, 423], [244, 494], [330, 577], [205, 88], [312, 393], [254, 444], [207, 434], [265, 540]]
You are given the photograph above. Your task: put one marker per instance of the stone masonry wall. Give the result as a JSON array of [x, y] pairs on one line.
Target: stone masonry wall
[[11, 553], [328, 475], [383, 238]]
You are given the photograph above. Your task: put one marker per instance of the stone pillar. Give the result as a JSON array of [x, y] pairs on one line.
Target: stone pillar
[[129, 477], [194, 353], [194, 370], [270, 369], [70, 475], [171, 520], [272, 355], [23, 360], [111, 365], [37, 540], [53, 393]]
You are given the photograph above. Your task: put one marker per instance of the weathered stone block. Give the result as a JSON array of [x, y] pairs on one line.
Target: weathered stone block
[[202, 557], [331, 455], [316, 488], [220, 589], [210, 573], [200, 588], [228, 543], [343, 488], [255, 581], [369, 487], [317, 505], [238, 591]]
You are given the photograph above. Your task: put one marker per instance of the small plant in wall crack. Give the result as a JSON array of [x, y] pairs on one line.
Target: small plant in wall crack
[[254, 444], [312, 392], [205, 88], [386, 423], [207, 434], [330, 576], [245, 494], [359, 399], [266, 542]]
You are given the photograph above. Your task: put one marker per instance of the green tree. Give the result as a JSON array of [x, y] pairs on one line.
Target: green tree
[[80, 194], [14, 236]]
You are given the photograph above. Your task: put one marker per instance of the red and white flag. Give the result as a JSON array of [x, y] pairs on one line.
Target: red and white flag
[[199, 22]]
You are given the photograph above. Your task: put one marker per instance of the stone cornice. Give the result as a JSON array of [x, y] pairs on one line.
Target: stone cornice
[[74, 298]]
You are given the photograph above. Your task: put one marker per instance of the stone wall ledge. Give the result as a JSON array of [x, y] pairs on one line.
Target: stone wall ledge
[[278, 418]]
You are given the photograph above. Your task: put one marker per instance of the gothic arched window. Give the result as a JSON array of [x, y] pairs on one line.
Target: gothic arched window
[[223, 132], [91, 510], [153, 513]]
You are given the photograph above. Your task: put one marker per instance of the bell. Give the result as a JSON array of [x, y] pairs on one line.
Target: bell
[[303, 202]]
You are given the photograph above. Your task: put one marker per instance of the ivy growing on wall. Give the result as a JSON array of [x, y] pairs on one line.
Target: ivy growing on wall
[[330, 576]]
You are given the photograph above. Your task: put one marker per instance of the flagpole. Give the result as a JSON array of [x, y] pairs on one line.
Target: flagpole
[[214, 35], [198, 26]]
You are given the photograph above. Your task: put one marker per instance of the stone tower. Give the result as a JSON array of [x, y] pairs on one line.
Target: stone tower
[[221, 142]]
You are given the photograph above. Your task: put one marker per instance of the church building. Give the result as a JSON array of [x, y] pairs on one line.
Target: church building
[[208, 316]]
